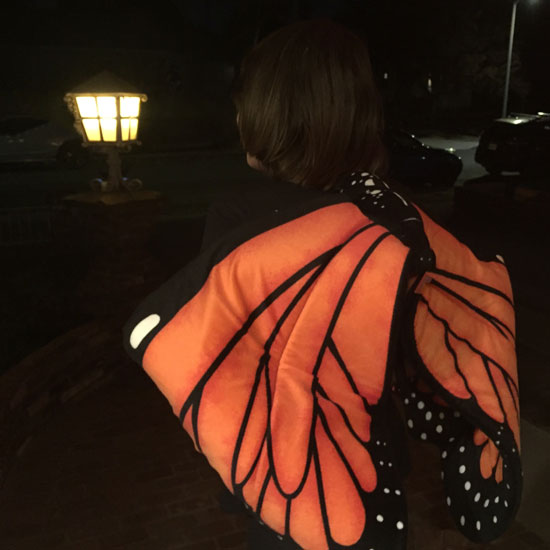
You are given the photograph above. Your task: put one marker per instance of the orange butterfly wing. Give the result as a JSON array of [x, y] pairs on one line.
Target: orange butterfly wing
[[462, 335], [268, 369]]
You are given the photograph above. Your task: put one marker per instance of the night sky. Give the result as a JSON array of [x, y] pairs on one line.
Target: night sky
[[403, 36]]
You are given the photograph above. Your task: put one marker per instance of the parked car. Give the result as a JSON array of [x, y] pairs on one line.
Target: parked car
[[518, 143], [418, 165], [25, 139]]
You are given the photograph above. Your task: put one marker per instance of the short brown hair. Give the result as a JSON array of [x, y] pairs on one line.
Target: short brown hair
[[308, 105]]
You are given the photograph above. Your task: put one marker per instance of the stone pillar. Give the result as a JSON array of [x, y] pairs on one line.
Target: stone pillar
[[117, 229]]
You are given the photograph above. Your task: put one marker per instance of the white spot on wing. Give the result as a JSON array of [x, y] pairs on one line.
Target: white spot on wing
[[142, 329]]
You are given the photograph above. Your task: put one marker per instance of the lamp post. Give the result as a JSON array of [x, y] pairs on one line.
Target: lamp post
[[112, 226], [509, 63], [106, 111]]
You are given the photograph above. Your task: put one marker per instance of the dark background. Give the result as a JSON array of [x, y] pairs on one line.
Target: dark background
[[183, 54]]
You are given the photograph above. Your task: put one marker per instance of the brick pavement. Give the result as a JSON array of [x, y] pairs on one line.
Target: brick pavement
[[116, 470]]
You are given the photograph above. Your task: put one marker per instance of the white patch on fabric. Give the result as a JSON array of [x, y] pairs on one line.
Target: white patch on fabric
[[142, 329]]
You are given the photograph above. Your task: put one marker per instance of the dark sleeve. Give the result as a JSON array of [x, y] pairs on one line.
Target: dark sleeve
[[221, 217], [231, 211]]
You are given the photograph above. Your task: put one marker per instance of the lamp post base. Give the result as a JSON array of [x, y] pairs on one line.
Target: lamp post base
[[105, 186], [118, 229]]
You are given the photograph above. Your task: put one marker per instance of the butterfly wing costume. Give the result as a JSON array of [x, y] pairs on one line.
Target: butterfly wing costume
[[278, 347]]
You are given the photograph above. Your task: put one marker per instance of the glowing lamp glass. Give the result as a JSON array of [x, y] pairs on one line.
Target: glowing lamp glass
[[125, 129], [107, 107], [87, 107], [129, 106], [108, 129], [110, 118], [133, 128], [91, 127]]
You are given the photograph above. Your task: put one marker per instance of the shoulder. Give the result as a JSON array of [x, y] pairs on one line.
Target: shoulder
[[390, 205]]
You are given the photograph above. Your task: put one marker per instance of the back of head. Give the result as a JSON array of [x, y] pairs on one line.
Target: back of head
[[308, 105]]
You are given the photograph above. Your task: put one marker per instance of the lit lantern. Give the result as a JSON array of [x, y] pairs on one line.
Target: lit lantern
[[106, 111]]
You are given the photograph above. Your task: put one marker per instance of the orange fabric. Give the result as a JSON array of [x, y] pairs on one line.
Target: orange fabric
[[278, 367], [470, 335], [284, 405]]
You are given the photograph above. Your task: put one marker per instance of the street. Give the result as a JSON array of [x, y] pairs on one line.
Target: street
[[189, 180]]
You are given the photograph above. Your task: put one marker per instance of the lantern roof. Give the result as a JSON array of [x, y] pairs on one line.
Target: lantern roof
[[105, 82]]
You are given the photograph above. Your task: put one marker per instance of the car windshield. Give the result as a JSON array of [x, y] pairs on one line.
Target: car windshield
[[402, 139], [12, 126]]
